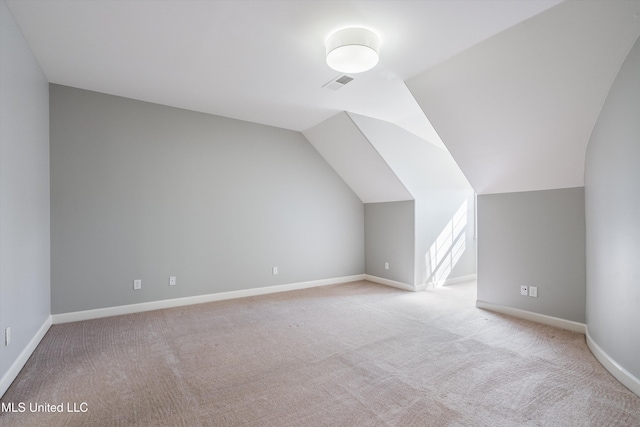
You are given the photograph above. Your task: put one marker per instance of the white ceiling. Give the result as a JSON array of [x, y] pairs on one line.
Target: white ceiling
[[381, 162], [351, 154], [513, 87], [517, 110], [261, 61]]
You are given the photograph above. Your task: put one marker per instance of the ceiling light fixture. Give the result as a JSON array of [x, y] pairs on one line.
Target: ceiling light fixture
[[352, 50]]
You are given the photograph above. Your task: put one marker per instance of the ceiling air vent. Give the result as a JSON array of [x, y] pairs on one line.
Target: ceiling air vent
[[337, 83]]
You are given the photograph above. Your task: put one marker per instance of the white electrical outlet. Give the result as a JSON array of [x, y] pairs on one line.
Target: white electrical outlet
[[137, 284], [386, 265], [7, 336], [524, 290], [172, 281], [533, 291], [274, 270]]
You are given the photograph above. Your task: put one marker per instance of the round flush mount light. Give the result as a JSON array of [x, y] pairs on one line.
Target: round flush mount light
[[352, 50]]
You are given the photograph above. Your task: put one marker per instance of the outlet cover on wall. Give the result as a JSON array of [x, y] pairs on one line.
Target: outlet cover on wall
[[172, 280], [386, 265], [533, 291], [274, 270], [524, 290], [137, 284], [7, 336]]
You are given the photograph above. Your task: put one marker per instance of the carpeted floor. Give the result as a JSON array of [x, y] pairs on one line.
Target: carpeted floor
[[357, 354]]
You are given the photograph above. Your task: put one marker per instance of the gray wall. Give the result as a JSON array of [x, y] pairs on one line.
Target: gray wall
[[390, 237], [24, 192], [612, 195], [533, 238], [143, 191]]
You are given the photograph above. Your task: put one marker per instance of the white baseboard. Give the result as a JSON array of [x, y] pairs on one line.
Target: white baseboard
[[625, 377], [423, 287], [452, 281], [534, 317], [461, 279], [24, 355], [389, 282], [621, 374], [178, 302]]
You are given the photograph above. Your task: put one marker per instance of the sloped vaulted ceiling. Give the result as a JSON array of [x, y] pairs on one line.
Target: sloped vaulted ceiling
[[512, 87], [516, 111], [350, 153], [260, 61]]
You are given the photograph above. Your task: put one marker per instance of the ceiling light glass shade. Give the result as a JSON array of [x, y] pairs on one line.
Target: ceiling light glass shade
[[352, 50]]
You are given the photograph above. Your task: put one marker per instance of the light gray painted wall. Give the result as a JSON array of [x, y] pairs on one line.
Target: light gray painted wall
[[24, 192], [534, 238], [390, 237], [612, 196], [143, 191], [443, 250]]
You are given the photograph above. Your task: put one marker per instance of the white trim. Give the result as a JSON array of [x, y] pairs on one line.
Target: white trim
[[392, 283], [534, 317], [621, 374], [178, 302], [24, 355], [453, 281], [461, 279]]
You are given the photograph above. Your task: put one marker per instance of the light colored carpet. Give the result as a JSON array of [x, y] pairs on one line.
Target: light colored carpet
[[357, 354]]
